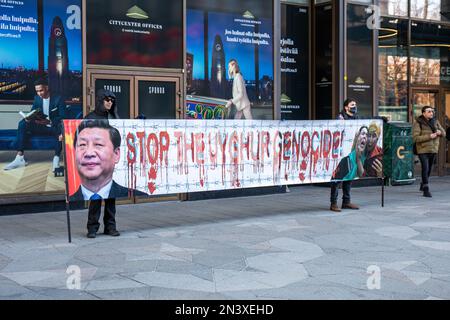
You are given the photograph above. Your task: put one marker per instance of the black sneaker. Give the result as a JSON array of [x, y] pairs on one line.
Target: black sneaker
[[113, 233], [91, 234]]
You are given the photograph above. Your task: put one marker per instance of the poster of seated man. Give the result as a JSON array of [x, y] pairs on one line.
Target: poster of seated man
[[44, 119]]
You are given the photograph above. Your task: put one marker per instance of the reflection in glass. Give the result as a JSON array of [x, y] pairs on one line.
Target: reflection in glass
[[294, 63], [218, 31], [359, 59], [447, 126], [421, 99], [157, 99], [394, 7], [392, 70], [323, 66], [121, 88], [429, 9], [430, 54]]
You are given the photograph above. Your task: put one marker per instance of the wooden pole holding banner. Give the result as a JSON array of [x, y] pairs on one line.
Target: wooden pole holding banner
[[67, 187], [382, 191]]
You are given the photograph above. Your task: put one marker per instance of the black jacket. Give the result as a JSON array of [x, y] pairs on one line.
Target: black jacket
[[345, 116], [100, 112]]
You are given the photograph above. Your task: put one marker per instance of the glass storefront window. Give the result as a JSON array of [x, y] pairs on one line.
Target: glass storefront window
[[294, 62], [430, 54], [393, 69], [430, 9], [359, 83], [323, 52], [124, 34], [38, 40], [394, 7], [421, 98], [222, 31]]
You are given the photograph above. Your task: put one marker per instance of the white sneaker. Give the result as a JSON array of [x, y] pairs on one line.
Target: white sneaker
[[55, 163], [18, 162]]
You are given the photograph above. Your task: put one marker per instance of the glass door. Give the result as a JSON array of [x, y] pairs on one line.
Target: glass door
[[158, 98], [120, 85], [446, 124]]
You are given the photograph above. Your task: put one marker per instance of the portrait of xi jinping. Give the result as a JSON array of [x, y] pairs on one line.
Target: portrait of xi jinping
[[97, 151]]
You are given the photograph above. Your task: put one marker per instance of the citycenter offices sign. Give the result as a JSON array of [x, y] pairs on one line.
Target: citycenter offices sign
[[139, 27], [148, 35]]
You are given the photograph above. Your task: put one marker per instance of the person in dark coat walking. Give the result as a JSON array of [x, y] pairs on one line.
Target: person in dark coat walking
[[427, 133]]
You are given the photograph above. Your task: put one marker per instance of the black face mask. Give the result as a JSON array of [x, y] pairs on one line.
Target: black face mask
[[432, 121], [354, 109]]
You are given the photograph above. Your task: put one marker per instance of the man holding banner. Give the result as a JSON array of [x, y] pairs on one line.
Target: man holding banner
[[348, 113], [97, 151]]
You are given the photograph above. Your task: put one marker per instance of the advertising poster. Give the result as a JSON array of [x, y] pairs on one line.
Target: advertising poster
[[359, 59], [62, 48], [135, 33], [294, 63], [214, 38], [26, 125], [323, 63], [117, 158], [18, 49]]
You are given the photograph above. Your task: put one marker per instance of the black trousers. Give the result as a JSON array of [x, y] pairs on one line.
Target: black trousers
[[109, 216], [426, 161], [346, 187], [26, 129]]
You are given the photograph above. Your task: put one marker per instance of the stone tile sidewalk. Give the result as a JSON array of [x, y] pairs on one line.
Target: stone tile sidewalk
[[280, 246]]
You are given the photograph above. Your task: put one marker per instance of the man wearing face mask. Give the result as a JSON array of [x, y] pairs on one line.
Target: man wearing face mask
[[348, 113], [427, 131], [240, 98]]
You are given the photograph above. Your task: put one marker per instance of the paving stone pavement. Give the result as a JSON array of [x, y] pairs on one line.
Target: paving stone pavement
[[279, 246]]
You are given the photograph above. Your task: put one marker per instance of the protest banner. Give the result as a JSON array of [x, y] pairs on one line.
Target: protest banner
[[156, 157]]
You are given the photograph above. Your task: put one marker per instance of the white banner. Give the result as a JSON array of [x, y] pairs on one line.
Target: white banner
[[176, 156]]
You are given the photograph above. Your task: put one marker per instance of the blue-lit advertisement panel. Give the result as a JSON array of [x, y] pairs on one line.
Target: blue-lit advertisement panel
[[62, 47], [23, 59], [217, 34], [18, 49]]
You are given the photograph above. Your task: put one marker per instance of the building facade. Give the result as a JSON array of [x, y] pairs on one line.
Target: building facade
[[300, 60]]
